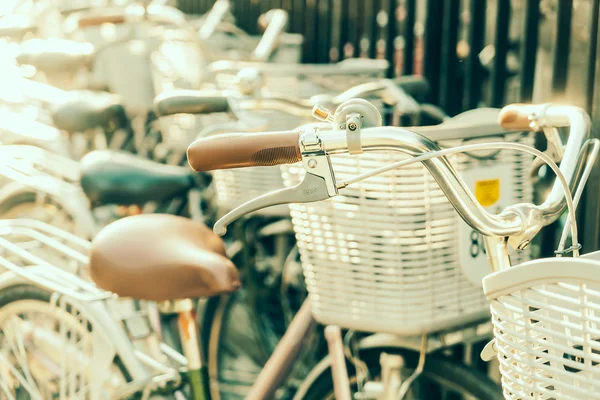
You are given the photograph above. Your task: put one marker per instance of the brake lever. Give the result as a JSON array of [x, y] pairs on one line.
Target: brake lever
[[554, 148], [404, 103], [318, 184]]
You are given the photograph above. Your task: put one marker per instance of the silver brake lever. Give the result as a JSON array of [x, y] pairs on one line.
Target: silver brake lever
[[312, 188], [318, 184], [319, 181], [554, 149]]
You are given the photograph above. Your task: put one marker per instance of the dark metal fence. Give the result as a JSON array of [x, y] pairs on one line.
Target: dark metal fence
[[474, 52]]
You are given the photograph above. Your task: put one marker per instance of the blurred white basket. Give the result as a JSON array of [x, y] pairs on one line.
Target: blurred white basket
[[237, 186], [388, 254], [546, 316]]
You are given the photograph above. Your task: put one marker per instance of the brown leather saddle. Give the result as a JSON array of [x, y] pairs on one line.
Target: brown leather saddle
[[161, 257]]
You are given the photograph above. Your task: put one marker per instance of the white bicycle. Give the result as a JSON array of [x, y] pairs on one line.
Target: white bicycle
[[543, 319]]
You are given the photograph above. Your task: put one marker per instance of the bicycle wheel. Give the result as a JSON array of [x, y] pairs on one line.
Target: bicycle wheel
[[236, 352], [442, 379], [44, 349], [246, 326], [38, 207]]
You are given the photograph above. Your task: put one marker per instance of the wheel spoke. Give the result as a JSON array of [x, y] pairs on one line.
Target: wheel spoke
[[34, 392], [63, 380], [6, 390], [46, 352], [15, 342]]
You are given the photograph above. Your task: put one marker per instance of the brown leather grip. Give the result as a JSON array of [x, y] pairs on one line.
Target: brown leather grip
[[516, 116], [238, 150], [96, 20]]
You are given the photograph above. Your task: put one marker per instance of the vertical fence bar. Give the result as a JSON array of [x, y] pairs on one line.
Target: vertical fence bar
[[433, 43], [243, 9], [264, 5], [336, 28], [360, 34], [473, 68], [390, 49], [343, 26], [529, 49], [592, 55], [254, 14], [449, 59], [352, 28], [323, 10], [298, 13], [234, 9], [298, 22], [591, 227], [562, 47], [501, 44], [375, 29], [287, 6], [370, 13], [310, 31], [410, 9]]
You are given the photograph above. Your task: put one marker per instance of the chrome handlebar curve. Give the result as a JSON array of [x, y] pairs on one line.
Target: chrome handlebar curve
[[519, 223]]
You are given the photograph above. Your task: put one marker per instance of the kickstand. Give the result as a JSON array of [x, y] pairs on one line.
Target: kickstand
[[418, 371]]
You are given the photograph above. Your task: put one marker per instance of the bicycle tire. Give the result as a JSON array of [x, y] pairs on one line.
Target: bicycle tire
[[456, 376], [22, 199], [27, 292]]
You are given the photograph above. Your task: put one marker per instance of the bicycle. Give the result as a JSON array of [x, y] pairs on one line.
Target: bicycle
[[97, 119], [76, 218], [319, 184], [199, 253]]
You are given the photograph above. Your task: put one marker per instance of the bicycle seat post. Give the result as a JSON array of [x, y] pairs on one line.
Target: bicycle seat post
[[188, 332]]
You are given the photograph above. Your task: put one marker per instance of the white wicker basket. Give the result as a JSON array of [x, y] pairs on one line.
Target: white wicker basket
[[385, 256], [546, 316]]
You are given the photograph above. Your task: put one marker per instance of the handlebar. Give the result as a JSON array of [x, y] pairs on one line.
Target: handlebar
[[518, 117], [85, 21], [397, 91], [518, 222], [536, 117], [394, 92], [191, 102], [238, 150], [276, 21], [412, 85], [214, 17], [349, 66]]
